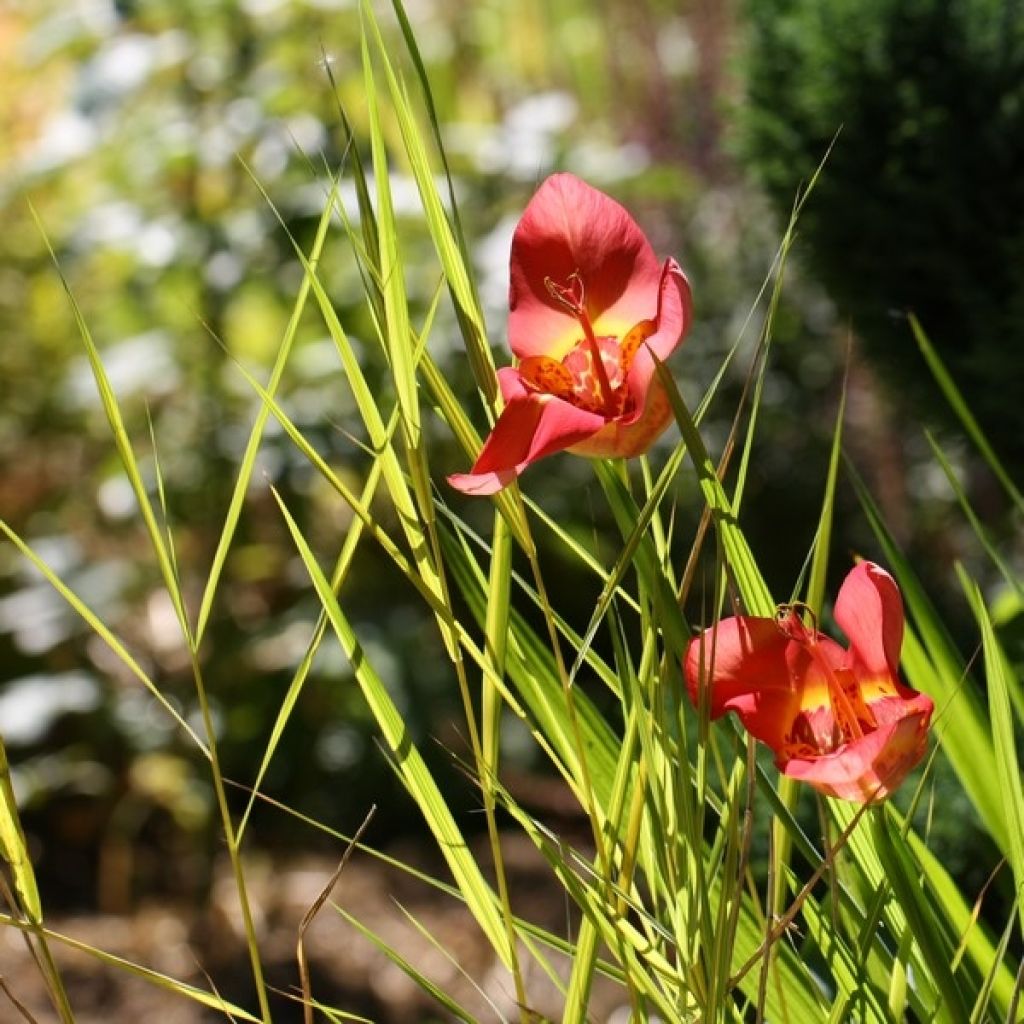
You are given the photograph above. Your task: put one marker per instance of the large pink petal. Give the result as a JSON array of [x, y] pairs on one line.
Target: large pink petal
[[529, 427], [675, 312], [872, 767], [743, 661], [569, 227], [869, 610]]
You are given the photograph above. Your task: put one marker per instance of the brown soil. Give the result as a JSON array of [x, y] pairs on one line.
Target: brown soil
[[205, 947]]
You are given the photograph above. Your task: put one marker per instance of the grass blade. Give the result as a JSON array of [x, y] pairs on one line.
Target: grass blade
[[413, 770]]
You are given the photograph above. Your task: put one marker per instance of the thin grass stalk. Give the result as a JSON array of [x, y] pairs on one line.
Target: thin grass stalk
[[124, 448], [231, 841], [341, 568], [956, 402], [496, 633], [586, 788]]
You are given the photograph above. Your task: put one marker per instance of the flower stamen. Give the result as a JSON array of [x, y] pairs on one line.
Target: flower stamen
[[849, 710]]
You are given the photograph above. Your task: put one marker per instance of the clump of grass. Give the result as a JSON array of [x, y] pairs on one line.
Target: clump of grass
[[861, 923]]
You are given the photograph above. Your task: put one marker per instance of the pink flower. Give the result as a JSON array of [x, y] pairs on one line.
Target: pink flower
[[838, 719], [588, 305]]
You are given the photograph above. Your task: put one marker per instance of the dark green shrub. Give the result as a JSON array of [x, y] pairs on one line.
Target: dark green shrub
[[921, 204]]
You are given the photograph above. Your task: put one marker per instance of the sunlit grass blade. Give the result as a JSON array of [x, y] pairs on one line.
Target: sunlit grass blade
[[380, 436], [980, 1012], [414, 772], [396, 331], [640, 550], [956, 402], [900, 872], [208, 999], [13, 848], [531, 666], [634, 537], [986, 541], [297, 683], [753, 590], [933, 666], [448, 240], [123, 444], [975, 943], [496, 628], [408, 968], [100, 629], [248, 462], [1007, 763]]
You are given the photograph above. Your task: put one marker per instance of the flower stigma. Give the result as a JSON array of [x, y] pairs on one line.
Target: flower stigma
[[572, 296]]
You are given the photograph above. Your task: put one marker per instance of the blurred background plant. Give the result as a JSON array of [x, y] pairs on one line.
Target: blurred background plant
[[136, 130], [921, 209]]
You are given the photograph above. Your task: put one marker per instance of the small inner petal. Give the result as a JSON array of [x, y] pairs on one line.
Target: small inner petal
[[813, 733], [631, 343], [586, 387]]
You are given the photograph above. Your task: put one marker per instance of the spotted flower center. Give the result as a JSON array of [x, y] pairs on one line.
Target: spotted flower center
[[593, 375], [845, 717]]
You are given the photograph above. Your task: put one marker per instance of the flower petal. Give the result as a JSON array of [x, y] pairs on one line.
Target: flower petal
[[569, 227], [870, 768], [869, 610], [529, 427], [675, 311], [743, 661], [625, 437]]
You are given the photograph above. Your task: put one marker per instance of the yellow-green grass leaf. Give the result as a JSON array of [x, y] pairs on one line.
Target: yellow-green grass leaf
[[531, 666], [634, 532], [851, 981], [122, 442], [753, 590], [209, 999], [975, 941], [932, 665], [13, 848], [374, 530], [572, 544], [448, 242], [1007, 761], [605, 672], [295, 687], [901, 873], [480, 900], [406, 967], [101, 630], [1012, 579], [396, 327], [980, 1013], [380, 436], [957, 403], [645, 557]]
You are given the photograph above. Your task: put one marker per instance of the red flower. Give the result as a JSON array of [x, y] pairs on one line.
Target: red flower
[[588, 305], [838, 719]]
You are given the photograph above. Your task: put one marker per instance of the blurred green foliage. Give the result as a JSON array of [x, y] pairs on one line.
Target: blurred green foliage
[[921, 206]]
